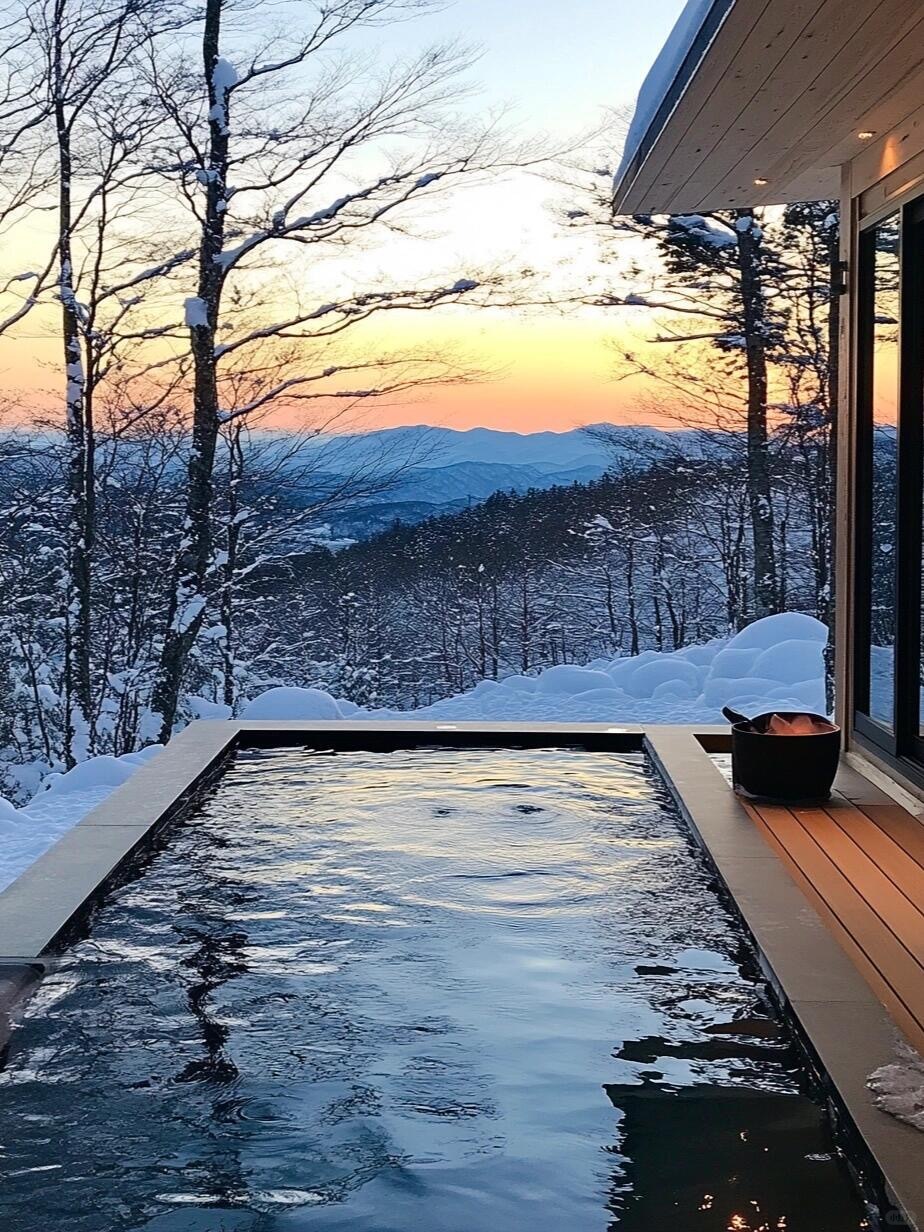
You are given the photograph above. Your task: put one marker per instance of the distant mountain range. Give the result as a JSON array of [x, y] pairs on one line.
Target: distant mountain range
[[426, 471], [439, 447], [477, 480], [441, 470]]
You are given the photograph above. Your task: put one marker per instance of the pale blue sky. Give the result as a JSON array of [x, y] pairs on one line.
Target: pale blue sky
[[559, 61], [558, 64]]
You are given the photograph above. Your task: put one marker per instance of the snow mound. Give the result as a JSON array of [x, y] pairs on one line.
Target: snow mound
[[734, 663], [201, 708], [775, 663], [898, 1089], [790, 662], [565, 681], [98, 772], [785, 627], [520, 684], [292, 703], [647, 679]]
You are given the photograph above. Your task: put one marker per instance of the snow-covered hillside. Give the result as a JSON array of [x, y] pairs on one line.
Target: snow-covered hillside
[[775, 663], [442, 470]]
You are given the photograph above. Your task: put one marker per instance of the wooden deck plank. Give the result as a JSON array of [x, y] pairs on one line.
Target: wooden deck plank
[[880, 846], [900, 825], [889, 967], [880, 893], [846, 1011], [900, 1013], [851, 884]]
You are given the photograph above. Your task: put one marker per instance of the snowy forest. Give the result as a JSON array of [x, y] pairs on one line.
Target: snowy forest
[[163, 549]]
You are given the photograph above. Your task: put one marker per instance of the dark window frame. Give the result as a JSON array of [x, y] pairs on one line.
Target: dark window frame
[[903, 745]]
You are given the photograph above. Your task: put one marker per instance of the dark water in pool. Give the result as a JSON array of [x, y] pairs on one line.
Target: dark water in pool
[[467, 991]]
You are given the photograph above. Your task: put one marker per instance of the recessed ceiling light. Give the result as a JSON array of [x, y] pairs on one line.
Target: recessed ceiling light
[[866, 134], [759, 182]]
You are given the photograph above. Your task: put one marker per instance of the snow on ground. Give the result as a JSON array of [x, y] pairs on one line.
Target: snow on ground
[[773, 664], [899, 1088], [60, 803]]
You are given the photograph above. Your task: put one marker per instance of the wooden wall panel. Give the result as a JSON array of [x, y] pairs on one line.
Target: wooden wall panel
[[853, 89], [781, 98]]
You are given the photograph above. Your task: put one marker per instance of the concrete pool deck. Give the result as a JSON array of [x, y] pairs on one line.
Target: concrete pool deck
[[842, 1021]]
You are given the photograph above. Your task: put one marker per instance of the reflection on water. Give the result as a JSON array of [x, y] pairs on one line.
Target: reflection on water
[[466, 991]]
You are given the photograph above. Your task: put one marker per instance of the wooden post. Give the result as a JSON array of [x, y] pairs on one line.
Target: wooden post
[[846, 455]]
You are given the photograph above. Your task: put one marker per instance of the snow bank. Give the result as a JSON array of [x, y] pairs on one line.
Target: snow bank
[[290, 703], [25, 833], [776, 663]]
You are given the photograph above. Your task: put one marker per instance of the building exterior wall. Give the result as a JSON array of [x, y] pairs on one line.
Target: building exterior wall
[[884, 177]]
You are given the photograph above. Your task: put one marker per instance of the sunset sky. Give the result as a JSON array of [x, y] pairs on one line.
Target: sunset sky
[[556, 68], [559, 68]]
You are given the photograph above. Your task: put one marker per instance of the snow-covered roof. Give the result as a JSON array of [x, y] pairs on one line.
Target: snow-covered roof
[[668, 77]]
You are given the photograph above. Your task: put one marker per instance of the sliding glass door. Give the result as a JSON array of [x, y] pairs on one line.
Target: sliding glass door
[[889, 624]]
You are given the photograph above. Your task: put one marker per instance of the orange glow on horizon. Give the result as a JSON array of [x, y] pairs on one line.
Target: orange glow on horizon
[[535, 373]]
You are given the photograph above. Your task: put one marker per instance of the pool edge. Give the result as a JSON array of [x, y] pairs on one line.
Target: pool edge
[[39, 909], [844, 1029]]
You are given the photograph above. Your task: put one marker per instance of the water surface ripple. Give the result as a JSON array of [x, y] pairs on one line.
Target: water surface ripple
[[451, 990]]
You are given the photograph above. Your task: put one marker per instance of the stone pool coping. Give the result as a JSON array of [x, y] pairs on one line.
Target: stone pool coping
[[845, 1029]]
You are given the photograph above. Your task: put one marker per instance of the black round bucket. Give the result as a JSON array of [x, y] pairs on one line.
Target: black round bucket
[[785, 768]]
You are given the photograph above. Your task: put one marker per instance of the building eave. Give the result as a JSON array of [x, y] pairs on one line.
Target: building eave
[[770, 100]]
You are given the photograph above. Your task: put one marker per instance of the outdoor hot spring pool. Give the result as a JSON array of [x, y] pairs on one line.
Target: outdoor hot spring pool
[[477, 990]]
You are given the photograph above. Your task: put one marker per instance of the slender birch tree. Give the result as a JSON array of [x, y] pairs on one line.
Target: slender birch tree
[[714, 279], [75, 131], [283, 154]]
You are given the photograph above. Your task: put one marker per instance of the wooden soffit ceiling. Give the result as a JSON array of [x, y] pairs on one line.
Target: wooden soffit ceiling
[[780, 96]]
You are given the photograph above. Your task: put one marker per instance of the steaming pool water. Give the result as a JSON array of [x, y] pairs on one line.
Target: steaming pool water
[[477, 990]]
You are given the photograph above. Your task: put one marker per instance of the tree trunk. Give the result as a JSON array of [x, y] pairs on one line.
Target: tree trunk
[[232, 547], [760, 494], [495, 630], [187, 600], [78, 740], [525, 625], [482, 637], [783, 557], [630, 598], [611, 609]]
